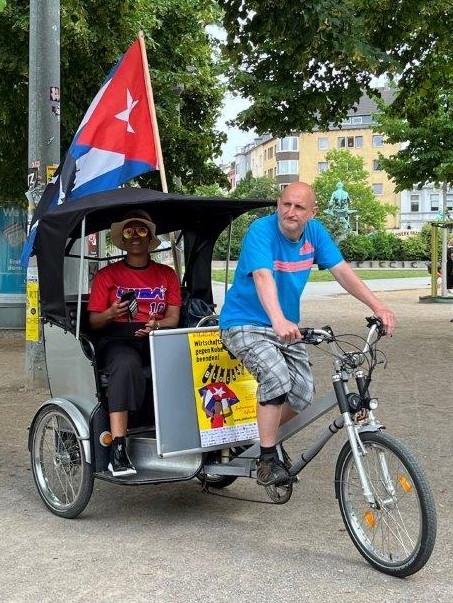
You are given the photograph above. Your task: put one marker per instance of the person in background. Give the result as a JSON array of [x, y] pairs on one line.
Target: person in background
[[260, 316], [154, 303]]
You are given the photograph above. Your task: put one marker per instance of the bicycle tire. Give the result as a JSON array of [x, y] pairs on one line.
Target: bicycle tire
[[62, 475], [214, 480], [398, 535]]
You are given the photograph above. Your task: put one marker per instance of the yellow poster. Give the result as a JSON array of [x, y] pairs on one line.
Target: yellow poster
[[50, 171], [225, 392], [32, 315]]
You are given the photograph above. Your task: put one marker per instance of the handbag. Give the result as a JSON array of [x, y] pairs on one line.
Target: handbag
[[194, 310]]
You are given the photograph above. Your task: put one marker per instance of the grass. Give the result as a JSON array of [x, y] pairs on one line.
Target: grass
[[317, 276]]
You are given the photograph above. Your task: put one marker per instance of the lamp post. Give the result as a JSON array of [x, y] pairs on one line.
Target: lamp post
[[43, 150]]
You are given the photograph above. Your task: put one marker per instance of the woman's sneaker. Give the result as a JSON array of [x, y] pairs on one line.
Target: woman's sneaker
[[271, 471], [120, 463]]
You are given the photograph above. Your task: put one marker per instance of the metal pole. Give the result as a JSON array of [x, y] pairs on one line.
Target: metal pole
[[443, 269], [43, 135]]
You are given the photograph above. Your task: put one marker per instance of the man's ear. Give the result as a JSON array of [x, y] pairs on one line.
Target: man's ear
[[315, 210]]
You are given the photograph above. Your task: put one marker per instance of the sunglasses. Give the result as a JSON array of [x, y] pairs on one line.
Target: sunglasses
[[140, 231]]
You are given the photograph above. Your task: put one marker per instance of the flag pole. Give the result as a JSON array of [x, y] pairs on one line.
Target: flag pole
[[160, 159]]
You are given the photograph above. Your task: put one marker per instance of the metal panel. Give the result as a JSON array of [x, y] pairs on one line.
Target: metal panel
[[71, 374], [173, 390]]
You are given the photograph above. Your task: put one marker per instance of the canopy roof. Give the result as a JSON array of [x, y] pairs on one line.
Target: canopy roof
[[201, 219]]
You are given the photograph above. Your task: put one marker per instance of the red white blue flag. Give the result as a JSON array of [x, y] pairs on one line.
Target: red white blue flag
[[115, 142]]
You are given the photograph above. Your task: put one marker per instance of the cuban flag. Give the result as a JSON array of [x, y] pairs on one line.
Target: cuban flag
[[115, 142], [217, 392]]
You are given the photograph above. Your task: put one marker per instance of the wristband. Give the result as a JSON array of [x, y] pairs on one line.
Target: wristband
[[157, 325]]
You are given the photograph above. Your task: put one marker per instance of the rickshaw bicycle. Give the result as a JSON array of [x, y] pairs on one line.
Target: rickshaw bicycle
[[385, 500]]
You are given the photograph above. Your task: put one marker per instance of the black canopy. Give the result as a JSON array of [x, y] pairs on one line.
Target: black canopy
[[200, 219]]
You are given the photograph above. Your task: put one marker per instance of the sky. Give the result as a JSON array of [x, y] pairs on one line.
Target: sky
[[236, 138]]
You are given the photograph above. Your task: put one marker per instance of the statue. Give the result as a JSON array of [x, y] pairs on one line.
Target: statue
[[339, 210]]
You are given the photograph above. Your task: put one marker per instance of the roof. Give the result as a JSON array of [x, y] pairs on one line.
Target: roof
[[367, 105]]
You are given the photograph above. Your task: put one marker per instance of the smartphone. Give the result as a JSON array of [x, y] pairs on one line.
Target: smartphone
[[130, 297]]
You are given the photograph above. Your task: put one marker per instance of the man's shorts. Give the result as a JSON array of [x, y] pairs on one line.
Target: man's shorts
[[278, 367]]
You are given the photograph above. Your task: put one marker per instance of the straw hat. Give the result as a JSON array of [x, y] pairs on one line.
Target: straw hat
[[136, 215]]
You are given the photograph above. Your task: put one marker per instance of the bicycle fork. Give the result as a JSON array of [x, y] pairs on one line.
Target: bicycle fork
[[358, 451]]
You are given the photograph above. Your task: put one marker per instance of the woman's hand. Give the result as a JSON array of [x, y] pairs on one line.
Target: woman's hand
[[151, 325]]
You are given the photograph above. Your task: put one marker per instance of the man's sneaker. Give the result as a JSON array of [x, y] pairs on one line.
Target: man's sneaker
[[271, 471], [120, 463]]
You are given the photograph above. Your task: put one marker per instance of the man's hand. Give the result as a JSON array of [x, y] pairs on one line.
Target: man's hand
[[286, 330], [388, 319]]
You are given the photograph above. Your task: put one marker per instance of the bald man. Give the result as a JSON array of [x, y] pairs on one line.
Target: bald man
[[262, 310]]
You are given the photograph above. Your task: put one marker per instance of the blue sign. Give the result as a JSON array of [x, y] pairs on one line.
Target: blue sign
[[13, 233]]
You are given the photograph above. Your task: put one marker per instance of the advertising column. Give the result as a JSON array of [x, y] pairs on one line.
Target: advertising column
[[13, 228]]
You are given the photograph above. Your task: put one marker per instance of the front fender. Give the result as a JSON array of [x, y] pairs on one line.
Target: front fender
[[76, 416]]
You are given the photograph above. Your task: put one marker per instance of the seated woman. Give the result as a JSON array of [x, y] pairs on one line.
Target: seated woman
[[124, 325]]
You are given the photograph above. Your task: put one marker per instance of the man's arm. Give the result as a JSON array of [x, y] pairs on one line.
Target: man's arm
[[344, 274], [267, 294]]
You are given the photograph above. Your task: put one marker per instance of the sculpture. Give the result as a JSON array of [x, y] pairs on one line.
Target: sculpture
[[338, 208]]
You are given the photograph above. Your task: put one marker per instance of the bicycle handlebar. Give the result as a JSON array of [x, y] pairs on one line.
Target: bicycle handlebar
[[317, 336]]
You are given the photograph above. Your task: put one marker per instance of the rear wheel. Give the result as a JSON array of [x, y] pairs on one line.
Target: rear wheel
[[396, 534], [63, 477], [220, 481]]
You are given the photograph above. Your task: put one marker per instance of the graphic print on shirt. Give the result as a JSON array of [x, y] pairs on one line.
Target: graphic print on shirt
[[307, 250], [155, 295]]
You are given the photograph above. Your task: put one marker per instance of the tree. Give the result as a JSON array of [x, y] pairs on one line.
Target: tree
[[95, 33], [248, 188], [350, 170], [424, 126], [305, 64]]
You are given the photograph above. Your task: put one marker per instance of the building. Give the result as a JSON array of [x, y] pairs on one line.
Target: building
[[302, 156]]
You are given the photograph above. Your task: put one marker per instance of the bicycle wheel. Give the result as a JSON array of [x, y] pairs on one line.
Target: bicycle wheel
[[396, 535], [219, 481], [63, 477]]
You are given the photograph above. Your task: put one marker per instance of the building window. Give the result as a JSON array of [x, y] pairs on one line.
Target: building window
[[450, 201], [323, 166], [357, 120], [377, 167], [270, 152], [415, 202], [289, 143], [378, 188], [290, 166], [434, 198], [283, 186], [350, 142], [378, 140], [323, 144], [270, 173]]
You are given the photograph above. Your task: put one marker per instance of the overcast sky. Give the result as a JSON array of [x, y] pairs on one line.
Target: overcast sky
[[236, 137]]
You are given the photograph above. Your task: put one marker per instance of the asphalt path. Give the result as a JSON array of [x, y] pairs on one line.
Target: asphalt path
[[176, 543]]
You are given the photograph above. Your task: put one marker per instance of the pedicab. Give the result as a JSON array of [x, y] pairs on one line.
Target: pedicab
[[198, 419]]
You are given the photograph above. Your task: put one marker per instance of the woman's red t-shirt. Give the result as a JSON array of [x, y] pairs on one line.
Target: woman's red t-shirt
[[156, 286]]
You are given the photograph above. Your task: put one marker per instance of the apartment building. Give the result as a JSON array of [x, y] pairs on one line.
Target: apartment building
[[302, 156]]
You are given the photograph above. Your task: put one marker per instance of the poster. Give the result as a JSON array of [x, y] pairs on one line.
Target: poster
[[13, 225], [225, 393], [32, 316]]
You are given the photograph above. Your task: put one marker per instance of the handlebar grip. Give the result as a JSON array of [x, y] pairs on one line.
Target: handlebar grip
[[373, 320]]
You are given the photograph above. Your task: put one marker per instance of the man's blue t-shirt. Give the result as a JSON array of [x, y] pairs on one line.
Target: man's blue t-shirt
[[290, 262]]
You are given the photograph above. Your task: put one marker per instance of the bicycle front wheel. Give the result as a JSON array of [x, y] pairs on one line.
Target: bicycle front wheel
[[396, 533]]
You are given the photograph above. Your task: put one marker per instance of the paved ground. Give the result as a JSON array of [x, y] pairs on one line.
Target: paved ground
[[178, 544]]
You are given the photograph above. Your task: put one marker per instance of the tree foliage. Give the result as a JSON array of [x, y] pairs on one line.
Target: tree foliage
[[305, 64], [96, 33], [248, 188], [423, 123], [350, 170]]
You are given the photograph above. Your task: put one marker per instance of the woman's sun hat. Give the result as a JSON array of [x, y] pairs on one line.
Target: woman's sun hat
[[136, 215]]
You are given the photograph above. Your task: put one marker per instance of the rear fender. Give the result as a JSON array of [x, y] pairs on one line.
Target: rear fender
[[78, 419]]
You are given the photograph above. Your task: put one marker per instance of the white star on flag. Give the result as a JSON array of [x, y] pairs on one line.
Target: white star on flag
[[219, 391], [125, 115]]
